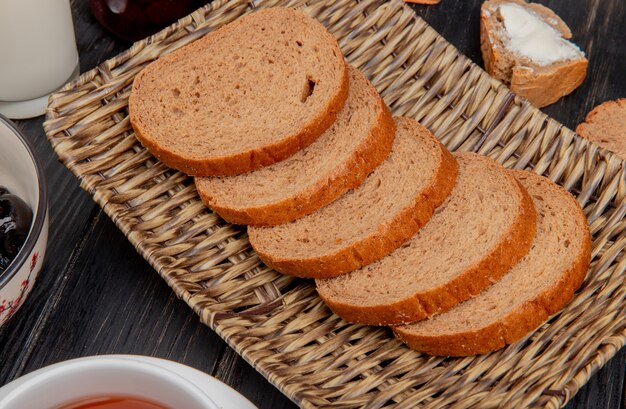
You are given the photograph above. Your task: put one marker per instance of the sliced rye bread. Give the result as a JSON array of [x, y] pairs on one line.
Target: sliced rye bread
[[339, 160], [541, 83], [245, 96], [535, 288], [369, 222], [482, 229], [605, 125]]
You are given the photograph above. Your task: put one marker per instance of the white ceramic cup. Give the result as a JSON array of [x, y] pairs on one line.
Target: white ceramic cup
[[37, 54], [106, 376]]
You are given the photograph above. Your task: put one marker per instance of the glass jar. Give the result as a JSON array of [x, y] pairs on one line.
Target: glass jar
[[133, 20]]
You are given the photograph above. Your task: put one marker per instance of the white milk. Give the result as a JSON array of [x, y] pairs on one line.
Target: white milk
[[37, 48]]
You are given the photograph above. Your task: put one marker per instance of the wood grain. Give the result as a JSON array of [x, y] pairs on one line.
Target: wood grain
[[96, 295]]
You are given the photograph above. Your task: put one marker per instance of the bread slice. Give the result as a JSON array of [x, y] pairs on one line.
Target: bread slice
[[245, 96], [340, 159], [483, 228], [370, 221], [541, 68], [536, 287], [605, 125]]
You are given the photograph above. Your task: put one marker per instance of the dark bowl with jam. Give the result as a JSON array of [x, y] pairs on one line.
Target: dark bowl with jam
[[23, 218]]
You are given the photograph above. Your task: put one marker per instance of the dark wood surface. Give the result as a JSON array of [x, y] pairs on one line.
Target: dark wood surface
[[96, 295]]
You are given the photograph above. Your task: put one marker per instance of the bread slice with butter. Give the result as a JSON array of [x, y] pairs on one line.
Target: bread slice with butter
[[526, 46]]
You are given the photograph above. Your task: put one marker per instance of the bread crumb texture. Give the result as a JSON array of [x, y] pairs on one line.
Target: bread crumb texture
[[245, 96]]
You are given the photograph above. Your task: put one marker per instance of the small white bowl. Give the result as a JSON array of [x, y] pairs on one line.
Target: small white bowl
[[22, 174], [72, 381]]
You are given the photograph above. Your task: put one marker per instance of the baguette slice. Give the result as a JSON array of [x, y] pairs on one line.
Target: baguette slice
[[542, 83], [536, 287], [369, 222], [340, 159], [245, 96], [482, 229]]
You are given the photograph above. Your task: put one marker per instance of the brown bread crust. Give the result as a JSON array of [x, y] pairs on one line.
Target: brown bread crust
[[363, 161], [516, 243], [241, 162], [518, 323], [386, 239]]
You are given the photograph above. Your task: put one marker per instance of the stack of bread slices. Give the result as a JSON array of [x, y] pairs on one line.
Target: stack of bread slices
[[457, 254]]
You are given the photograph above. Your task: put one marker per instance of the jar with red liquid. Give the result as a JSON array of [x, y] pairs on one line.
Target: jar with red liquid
[[133, 20]]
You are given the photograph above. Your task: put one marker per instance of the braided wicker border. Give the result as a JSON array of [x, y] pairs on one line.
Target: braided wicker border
[[278, 323]]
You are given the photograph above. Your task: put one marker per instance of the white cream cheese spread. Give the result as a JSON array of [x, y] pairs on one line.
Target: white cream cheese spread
[[530, 36]]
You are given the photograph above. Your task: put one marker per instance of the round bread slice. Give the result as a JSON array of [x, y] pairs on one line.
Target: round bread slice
[[482, 229], [340, 159], [605, 125], [369, 222], [245, 96], [536, 287]]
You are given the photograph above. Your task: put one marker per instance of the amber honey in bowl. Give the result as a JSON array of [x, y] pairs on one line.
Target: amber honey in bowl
[[113, 402]]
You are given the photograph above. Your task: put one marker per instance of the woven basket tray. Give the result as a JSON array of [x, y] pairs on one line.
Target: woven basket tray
[[278, 323]]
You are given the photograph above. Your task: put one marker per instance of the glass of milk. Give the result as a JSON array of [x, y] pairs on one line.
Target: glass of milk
[[37, 54]]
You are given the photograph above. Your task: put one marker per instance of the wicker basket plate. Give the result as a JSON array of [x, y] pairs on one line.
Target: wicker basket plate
[[278, 323]]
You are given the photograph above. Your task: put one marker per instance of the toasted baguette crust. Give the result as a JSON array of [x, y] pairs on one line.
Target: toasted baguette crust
[[545, 86], [493, 266], [241, 161], [387, 238], [519, 322], [541, 85], [364, 160], [487, 48]]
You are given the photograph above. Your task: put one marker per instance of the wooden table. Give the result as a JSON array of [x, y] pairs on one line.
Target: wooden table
[[96, 295]]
